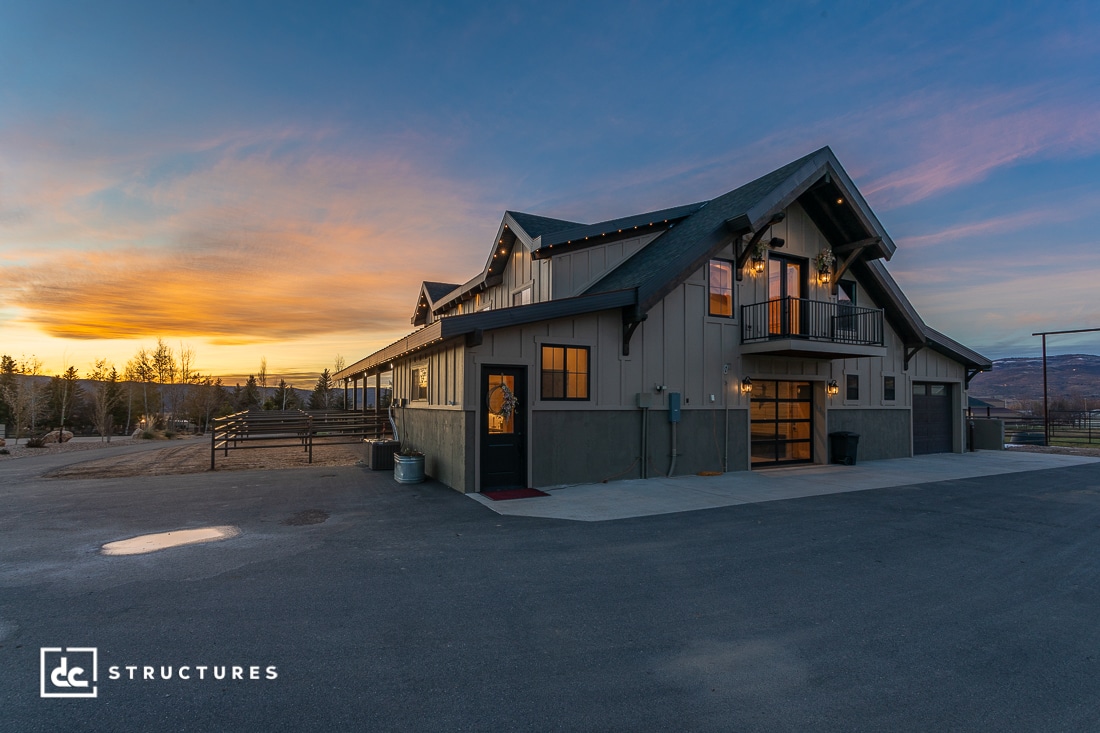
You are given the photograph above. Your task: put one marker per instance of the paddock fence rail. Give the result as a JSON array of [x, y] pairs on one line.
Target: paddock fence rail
[[296, 429]]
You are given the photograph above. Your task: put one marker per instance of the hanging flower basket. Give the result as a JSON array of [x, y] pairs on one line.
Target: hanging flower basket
[[825, 260]]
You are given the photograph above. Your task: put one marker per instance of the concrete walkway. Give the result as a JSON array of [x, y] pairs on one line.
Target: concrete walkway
[[646, 497]]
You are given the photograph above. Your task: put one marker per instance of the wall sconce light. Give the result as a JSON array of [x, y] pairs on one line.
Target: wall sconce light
[[757, 265], [832, 388], [746, 386], [823, 276]]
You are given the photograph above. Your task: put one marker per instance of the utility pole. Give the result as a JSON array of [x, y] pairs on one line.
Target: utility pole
[[1044, 334]]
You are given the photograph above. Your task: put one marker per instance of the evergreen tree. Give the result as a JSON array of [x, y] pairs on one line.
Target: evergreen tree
[[250, 396], [323, 393], [284, 397]]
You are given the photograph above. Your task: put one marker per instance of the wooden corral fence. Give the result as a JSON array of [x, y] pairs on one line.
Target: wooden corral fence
[[297, 429]]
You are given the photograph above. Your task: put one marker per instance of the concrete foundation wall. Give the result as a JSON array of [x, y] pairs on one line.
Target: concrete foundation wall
[[882, 433], [446, 438], [572, 446]]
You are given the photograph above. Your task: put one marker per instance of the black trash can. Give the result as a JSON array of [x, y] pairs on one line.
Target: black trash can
[[842, 447]]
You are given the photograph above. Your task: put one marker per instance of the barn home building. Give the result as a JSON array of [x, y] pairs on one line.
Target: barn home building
[[733, 334]]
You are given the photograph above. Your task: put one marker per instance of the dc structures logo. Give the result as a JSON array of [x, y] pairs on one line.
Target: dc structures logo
[[69, 672]]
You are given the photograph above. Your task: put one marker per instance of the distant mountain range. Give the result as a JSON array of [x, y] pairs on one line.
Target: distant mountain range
[[1014, 379]]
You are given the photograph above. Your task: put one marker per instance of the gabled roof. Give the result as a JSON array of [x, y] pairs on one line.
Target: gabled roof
[[538, 226], [690, 235], [430, 293], [669, 260], [541, 234], [592, 233]]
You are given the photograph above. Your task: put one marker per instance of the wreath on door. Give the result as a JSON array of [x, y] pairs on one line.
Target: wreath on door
[[501, 400]]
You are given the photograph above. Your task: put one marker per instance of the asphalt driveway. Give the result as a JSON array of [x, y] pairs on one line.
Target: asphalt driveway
[[969, 604]]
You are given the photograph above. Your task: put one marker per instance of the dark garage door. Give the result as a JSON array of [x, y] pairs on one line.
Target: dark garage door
[[931, 418]]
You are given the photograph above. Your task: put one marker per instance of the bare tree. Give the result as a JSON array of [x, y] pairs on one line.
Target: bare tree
[[338, 366], [31, 368], [66, 391], [140, 369], [105, 395], [166, 369], [23, 396], [261, 377]]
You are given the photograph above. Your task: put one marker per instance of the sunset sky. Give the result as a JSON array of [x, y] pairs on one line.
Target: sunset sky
[[268, 180]]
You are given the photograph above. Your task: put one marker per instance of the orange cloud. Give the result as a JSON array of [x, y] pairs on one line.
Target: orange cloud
[[246, 245]]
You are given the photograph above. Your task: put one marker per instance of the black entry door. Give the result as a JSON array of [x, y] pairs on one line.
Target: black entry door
[[503, 428]]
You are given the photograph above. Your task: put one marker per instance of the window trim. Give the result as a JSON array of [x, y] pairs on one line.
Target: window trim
[[850, 381], [565, 372], [414, 386], [732, 290]]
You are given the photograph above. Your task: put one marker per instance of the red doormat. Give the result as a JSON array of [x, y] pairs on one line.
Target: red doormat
[[513, 494]]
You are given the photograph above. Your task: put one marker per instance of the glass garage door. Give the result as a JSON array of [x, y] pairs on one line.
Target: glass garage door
[[782, 423]]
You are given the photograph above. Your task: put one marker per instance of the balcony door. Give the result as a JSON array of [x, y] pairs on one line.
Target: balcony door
[[786, 288]]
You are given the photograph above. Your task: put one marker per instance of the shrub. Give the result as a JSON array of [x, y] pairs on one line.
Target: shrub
[[169, 434], [5, 452], [147, 435], [35, 443]]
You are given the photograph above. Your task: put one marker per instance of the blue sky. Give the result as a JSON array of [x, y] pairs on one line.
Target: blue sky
[[275, 180]]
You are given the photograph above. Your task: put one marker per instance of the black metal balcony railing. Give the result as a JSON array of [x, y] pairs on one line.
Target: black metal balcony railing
[[814, 320]]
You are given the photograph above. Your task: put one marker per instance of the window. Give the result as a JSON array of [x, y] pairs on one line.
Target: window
[[852, 392], [889, 392], [420, 383], [523, 297], [720, 288], [565, 372]]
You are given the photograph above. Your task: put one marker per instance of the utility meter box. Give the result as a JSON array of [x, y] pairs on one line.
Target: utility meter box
[[674, 407], [645, 399]]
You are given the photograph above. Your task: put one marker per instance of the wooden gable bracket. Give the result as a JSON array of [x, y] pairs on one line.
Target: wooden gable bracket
[[738, 226], [910, 352], [970, 374], [632, 318], [849, 252]]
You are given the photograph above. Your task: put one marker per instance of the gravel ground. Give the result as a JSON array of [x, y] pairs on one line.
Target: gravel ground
[[189, 454], [194, 457], [22, 451]]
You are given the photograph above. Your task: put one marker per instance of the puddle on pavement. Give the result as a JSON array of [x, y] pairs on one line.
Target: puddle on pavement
[[164, 540]]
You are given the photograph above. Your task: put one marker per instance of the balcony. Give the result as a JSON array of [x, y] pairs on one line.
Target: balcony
[[811, 329]]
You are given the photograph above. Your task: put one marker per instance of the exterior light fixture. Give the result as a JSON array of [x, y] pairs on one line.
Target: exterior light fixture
[[746, 386], [832, 388], [839, 201], [823, 276], [757, 264]]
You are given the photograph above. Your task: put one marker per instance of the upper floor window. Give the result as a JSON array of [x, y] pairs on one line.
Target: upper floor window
[[720, 288], [523, 297], [564, 372]]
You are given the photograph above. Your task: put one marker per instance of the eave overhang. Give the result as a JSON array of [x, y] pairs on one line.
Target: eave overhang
[[472, 324]]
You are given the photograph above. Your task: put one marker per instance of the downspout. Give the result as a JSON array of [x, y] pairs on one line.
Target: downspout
[[672, 465], [645, 441], [393, 423], [726, 427]]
